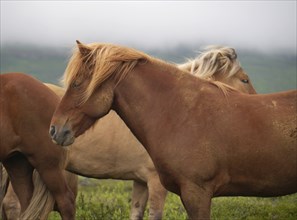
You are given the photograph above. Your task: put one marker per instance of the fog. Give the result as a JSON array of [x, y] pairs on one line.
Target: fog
[[261, 25]]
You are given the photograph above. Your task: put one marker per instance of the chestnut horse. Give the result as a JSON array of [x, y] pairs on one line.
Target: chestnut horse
[[26, 109], [204, 142], [93, 154]]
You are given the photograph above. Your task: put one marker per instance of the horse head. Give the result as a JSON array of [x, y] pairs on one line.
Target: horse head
[[219, 63], [84, 100]]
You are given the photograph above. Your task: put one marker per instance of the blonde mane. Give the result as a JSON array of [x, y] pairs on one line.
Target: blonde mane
[[113, 59], [215, 59], [105, 60]]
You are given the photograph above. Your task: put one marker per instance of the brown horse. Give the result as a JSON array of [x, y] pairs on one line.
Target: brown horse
[[204, 142], [26, 109], [93, 154]]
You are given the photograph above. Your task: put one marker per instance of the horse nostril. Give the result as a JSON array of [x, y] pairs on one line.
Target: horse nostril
[[52, 130], [66, 132]]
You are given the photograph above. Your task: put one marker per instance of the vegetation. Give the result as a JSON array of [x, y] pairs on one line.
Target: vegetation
[[111, 200]]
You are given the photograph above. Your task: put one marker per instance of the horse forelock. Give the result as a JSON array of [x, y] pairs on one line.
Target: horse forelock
[[103, 61], [214, 60]]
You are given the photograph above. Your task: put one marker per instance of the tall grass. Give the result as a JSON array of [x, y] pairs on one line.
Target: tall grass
[[110, 200]]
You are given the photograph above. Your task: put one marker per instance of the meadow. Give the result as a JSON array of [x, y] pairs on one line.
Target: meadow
[[111, 199]]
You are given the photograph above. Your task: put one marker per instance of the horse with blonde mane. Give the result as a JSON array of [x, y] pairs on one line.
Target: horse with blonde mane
[[26, 109], [203, 143], [93, 154], [218, 63]]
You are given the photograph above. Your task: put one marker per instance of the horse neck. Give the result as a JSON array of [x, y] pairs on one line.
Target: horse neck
[[150, 97]]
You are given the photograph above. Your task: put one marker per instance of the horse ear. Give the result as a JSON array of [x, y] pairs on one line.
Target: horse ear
[[232, 55], [83, 49]]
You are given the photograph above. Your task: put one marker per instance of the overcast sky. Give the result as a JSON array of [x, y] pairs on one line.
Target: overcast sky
[[263, 25]]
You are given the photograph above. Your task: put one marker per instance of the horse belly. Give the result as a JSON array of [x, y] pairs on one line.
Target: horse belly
[[271, 175], [257, 188]]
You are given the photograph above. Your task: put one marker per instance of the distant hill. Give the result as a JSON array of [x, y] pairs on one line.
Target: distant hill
[[46, 64], [269, 73]]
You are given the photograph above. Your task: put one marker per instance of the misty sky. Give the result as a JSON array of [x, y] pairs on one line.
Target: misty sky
[[262, 25]]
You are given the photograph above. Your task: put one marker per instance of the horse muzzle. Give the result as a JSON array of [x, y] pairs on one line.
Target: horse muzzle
[[62, 136]]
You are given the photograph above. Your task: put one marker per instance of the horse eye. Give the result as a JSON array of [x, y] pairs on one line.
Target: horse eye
[[75, 85], [245, 80]]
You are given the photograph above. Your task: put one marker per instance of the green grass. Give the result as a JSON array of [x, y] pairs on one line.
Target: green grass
[[110, 200]]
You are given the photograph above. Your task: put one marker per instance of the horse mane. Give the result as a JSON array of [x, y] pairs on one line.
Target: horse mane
[[215, 59], [121, 60], [112, 59]]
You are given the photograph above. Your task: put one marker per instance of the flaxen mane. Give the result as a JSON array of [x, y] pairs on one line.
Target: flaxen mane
[[103, 60], [216, 59]]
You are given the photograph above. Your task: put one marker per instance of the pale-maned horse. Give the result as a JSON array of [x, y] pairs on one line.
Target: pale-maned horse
[[26, 109], [203, 142], [102, 152], [218, 63]]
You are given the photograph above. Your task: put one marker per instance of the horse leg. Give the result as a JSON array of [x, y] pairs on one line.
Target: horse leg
[[11, 206], [157, 196], [139, 200], [54, 180], [196, 201], [20, 174]]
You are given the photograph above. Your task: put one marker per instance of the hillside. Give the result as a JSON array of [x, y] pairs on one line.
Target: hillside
[[269, 73]]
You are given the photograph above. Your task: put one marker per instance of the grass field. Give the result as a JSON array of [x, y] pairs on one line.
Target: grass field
[[110, 200]]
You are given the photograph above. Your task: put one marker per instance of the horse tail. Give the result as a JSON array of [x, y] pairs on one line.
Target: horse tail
[[42, 201], [4, 181]]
